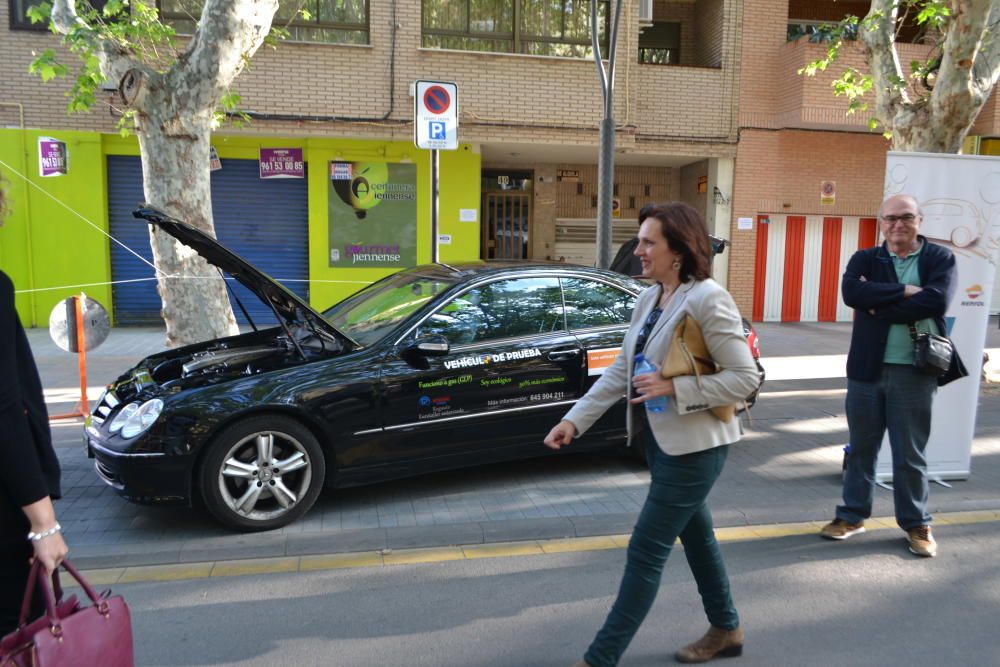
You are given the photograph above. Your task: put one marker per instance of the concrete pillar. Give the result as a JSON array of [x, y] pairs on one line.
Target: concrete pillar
[[543, 212], [718, 212]]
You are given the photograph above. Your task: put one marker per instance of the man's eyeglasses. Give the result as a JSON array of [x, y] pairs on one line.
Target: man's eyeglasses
[[906, 218]]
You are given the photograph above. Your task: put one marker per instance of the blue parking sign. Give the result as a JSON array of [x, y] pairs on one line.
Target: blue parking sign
[[436, 130]]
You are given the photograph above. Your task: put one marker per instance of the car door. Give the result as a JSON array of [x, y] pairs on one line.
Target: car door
[[512, 370], [598, 314]]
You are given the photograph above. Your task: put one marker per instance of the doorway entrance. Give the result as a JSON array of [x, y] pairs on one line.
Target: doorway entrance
[[506, 213]]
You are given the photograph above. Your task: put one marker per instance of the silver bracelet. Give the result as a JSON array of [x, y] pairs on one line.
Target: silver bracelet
[[35, 537]]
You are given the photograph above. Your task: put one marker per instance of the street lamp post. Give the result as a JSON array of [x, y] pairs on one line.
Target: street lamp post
[[606, 160]]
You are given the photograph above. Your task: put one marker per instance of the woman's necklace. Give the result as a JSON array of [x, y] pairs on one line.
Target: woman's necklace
[[666, 293]]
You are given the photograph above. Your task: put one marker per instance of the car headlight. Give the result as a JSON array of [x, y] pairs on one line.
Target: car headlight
[[122, 417], [134, 418]]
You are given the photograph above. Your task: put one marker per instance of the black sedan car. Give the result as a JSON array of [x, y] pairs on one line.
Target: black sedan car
[[432, 368]]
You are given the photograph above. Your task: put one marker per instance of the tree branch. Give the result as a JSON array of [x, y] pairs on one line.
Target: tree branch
[[986, 66], [952, 92], [211, 63], [877, 32], [115, 62]]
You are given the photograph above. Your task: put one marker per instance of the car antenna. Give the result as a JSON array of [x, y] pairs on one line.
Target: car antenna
[[239, 303], [448, 266]]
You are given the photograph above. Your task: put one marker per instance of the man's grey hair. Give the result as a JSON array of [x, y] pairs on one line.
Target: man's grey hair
[[920, 211]]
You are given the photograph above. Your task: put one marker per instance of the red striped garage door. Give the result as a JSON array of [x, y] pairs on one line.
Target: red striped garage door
[[800, 259]]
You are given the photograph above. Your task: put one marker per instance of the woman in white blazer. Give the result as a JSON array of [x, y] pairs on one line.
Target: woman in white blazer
[[686, 445]]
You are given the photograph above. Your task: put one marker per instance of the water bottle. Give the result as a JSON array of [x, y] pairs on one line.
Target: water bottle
[[658, 404]]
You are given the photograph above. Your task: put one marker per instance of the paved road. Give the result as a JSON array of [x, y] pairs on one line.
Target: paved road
[[786, 469], [803, 600]]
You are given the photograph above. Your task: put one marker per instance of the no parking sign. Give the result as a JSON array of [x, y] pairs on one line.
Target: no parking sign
[[435, 115]]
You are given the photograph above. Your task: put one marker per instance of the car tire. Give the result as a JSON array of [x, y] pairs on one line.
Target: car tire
[[261, 473]]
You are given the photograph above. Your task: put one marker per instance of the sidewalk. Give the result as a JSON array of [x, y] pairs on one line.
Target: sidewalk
[[787, 469]]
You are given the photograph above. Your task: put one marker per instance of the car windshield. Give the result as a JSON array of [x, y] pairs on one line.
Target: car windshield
[[376, 310]]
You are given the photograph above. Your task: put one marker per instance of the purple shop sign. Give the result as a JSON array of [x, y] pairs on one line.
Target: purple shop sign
[[53, 160], [282, 163]]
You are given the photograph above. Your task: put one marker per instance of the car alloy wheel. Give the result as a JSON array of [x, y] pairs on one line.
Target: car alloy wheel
[[262, 473]]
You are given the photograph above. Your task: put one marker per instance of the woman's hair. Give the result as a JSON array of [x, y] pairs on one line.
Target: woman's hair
[[686, 234]]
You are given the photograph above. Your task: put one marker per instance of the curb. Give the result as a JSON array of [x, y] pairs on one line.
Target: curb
[[390, 557]]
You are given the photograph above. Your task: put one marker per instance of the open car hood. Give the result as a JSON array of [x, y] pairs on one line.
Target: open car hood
[[288, 305]]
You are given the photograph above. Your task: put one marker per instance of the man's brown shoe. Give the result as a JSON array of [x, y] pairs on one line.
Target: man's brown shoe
[[921, 541], [838, 529], [716, 642]]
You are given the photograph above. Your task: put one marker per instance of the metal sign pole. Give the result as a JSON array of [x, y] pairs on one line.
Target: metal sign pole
[[434, 205], [435, 127], [606, 157]]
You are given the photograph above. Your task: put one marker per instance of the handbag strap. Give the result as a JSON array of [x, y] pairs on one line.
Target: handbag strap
[[53, 593], [29, 594]]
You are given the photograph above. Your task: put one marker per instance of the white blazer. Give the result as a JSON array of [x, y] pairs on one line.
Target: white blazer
[[686, 426]]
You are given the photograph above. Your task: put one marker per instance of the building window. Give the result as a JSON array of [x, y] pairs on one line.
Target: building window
[[19, 13], [535, 27], [19, 16], [323, 21], [660, 43], [817, 31]]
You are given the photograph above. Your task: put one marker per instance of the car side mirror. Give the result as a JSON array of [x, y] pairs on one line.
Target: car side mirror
[[430, 345]]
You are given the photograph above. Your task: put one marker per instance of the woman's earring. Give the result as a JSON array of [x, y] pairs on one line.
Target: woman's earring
[[676, 265]]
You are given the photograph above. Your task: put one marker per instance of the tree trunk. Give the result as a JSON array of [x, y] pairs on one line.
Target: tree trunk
[[176, 180], [914, 130]]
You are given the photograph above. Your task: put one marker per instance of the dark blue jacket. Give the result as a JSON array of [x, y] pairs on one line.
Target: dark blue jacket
[[881, 292]]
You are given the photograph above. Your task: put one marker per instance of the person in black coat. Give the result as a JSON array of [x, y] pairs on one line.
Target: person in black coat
[[29, 469]]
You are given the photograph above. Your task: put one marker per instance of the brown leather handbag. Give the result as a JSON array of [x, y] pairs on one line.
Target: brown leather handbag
[[688, 355], [68, 634]]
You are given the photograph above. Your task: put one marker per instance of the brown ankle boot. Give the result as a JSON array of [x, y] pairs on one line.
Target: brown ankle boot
[[716, 642]]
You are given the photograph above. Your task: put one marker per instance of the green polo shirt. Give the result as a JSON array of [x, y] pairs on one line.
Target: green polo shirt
[[899, 346]]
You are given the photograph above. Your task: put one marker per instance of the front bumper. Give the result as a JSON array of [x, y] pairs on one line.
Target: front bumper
[[145, 478]]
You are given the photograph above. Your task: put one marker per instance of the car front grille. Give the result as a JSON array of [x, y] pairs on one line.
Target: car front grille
[[108, 476]]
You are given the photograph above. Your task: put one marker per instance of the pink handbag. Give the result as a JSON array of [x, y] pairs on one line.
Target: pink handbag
[[69, 634]]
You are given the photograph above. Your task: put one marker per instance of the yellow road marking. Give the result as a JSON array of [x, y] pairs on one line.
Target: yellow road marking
[[236, 568]]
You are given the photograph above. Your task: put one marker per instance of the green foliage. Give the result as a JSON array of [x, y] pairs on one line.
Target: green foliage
[[933, 13], [132, 27], [229, 110], [46, 66], [931, 16]]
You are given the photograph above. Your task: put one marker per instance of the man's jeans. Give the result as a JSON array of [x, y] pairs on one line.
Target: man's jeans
[[898, 400], [675, 506]]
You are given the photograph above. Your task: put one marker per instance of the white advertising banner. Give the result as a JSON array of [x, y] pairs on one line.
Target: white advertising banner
[[960, 199]]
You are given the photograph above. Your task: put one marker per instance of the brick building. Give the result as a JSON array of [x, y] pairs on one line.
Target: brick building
[[708, 103]]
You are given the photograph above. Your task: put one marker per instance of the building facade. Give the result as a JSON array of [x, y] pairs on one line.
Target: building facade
[[707, 101]]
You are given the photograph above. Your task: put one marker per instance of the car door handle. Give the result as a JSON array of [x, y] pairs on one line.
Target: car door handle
[[563, 355]]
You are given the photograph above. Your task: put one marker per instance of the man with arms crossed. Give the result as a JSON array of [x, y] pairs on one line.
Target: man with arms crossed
[[905, 280]]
